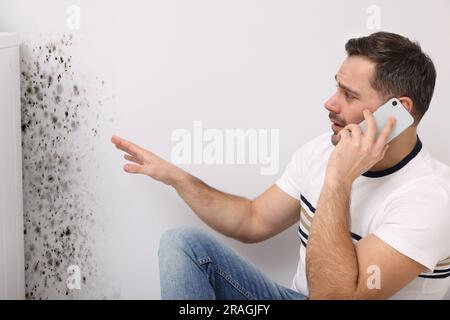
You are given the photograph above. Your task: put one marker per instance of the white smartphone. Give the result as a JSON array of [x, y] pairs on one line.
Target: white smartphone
[[392, 107]]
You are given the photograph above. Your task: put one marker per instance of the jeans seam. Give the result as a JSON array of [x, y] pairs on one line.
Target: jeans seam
[[234, 284], [202, 261]]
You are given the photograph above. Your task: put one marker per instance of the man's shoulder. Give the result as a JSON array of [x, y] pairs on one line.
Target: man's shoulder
[[430, 191], [428, 173]]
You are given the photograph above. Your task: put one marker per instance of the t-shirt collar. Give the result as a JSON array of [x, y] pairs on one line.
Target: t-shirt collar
[[398, 166]]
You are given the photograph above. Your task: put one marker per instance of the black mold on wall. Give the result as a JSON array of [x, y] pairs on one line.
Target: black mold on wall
[[57, 220]]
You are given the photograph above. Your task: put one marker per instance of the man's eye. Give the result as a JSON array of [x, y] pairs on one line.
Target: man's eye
[[348, 96]]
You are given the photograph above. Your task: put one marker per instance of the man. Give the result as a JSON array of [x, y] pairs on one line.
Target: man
[[374, 217]]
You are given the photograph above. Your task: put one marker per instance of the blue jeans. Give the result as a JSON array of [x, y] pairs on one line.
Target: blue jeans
[[194, 265]]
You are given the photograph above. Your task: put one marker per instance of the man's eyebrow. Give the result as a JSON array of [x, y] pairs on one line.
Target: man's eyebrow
[[353, 92]]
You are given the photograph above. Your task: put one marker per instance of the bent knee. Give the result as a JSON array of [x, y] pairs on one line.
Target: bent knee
[[178, 238]]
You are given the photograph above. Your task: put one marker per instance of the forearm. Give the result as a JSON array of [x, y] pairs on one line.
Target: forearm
[[331, 261], [226, 213]]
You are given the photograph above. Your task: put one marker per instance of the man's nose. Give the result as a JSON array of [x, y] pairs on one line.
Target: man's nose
[[332, 105]]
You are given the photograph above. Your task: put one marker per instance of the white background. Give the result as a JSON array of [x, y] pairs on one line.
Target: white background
[[231, 64]]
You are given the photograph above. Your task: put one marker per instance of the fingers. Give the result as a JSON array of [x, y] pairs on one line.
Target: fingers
[[384, 151], [355, 132], [133, 168], [127, 146], [133, 159], [384, 135], [371, 131], [344, 134]]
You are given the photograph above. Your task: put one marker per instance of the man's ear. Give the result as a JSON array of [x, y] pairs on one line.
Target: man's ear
[[408, 103]]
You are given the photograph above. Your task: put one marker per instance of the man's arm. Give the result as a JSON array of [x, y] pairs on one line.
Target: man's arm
[[337, 269], [246, 220], [234, 216]]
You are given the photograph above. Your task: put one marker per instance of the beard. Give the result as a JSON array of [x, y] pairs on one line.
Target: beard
[[337, 125]]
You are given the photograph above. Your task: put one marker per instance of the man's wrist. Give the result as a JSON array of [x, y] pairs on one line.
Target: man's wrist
[[337, 181], [179, 178]]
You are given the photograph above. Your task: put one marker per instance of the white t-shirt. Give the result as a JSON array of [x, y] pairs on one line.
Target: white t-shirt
[[407, 206]]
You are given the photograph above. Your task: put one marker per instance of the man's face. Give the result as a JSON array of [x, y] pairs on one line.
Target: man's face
[[354, 94]]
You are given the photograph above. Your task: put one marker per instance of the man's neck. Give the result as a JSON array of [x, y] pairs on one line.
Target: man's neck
[[399, 148]]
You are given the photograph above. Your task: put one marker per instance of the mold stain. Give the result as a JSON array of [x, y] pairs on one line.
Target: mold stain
[[57, 217]]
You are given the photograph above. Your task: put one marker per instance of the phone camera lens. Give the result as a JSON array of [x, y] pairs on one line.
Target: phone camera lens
[[394, 103]]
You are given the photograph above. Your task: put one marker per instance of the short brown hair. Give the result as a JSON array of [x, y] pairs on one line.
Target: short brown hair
[[402, 68]]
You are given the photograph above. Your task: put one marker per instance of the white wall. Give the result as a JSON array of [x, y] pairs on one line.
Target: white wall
[[147, 68]]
